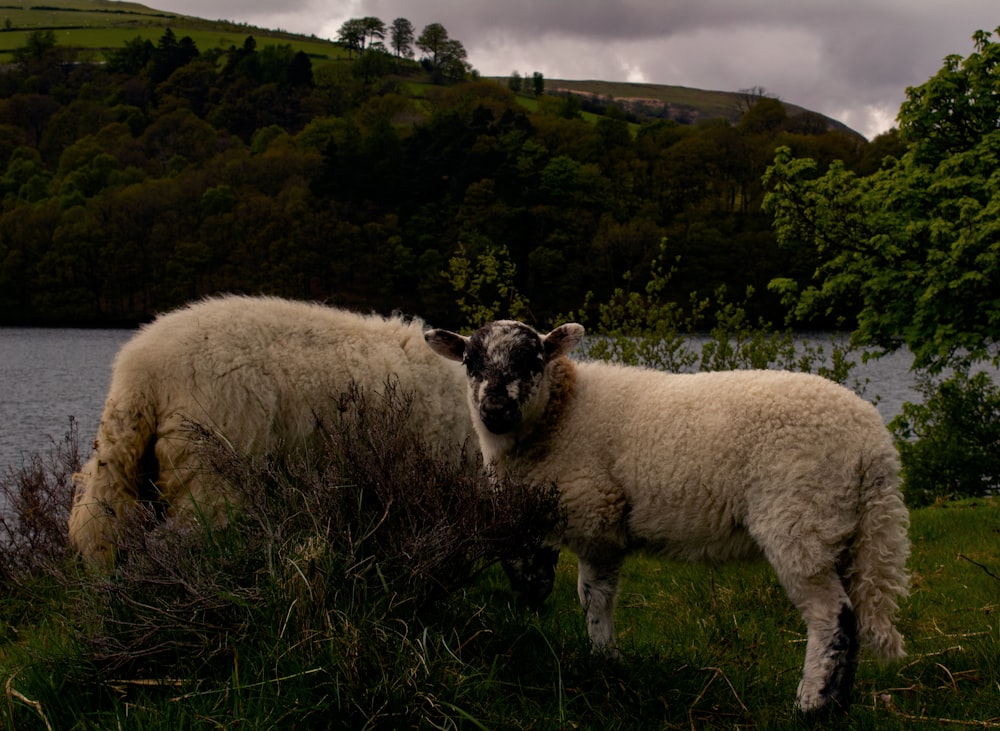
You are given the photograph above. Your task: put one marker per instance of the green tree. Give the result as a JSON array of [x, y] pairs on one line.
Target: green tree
[[37, 46], [452, 60], [360, 33], [958, 107], [131, 58], [538, 83], [432, 41], [515, 82], [913, 247], [352, 35], [401, 36], [374, 31]]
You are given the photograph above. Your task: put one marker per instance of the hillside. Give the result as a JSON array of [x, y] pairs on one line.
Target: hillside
[[680, 103], [192, 162], [99, 25]]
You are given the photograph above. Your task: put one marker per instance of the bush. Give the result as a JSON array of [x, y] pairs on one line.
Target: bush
[[35, 500], [332, 597], [950, 444]]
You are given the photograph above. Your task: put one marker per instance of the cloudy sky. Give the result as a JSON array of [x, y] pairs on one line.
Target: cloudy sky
[[850, 59]]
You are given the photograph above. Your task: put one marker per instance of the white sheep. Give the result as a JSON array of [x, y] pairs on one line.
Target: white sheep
[[710, 467], [263, 373]]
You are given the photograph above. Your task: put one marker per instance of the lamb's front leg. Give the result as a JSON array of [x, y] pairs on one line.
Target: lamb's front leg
[[597, 586]]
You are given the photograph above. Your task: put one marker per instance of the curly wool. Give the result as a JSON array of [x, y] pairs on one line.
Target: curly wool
[[262, 373], [706, 467]]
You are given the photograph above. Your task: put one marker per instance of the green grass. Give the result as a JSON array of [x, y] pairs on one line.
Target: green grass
[[97, 25], [693, 657]]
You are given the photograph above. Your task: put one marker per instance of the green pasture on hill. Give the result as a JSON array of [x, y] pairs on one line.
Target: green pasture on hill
[[98, 26], [100, 39]]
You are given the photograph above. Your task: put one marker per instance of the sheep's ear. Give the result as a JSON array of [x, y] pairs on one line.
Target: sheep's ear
[[446, 344], [562, 340]]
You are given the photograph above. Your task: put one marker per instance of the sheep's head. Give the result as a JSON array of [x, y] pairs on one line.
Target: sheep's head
[[505, 362]]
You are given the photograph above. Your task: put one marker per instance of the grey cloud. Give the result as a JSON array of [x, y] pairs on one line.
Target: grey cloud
[[836, 57]]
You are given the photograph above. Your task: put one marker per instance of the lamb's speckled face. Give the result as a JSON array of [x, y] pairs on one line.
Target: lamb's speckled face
[[505, 361]]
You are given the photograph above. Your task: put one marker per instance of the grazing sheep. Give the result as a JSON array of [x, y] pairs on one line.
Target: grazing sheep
[[710, 467], [263, 373]]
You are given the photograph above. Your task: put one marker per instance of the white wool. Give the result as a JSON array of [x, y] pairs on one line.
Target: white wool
[[710, 467], [260, 372]]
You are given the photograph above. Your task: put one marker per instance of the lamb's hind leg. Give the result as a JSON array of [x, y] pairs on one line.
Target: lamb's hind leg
[[597, 586], [832, 641]]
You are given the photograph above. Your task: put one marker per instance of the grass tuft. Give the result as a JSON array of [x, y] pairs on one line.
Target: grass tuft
[[343, 596]]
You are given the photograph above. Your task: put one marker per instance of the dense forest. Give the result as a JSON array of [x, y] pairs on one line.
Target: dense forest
[[168, 173]]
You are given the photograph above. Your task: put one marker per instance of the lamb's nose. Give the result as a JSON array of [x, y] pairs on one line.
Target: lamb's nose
[[499, 415]]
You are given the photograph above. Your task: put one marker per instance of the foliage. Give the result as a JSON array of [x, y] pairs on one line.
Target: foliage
[[950, 443], [348, 181], [444, 57], [260, 636], [911, 248], [334, 569], [642, 328], [485, 288]]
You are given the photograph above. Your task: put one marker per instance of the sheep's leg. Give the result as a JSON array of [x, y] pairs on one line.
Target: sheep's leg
[[597, 585], [832, 641]]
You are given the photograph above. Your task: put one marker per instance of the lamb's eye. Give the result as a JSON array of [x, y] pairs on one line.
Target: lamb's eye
[[527, 359], [473, 361]]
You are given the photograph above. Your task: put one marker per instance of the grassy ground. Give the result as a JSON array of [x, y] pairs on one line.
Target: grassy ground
[[279, 623], [97, 25]]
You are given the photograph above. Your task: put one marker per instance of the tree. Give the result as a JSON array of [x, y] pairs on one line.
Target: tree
[[432, 42], [43, 59], [358, 33], [538, 83], [959, 106], [913, 247], [131, 58], [374, 31], [452, 60], [747, 99], [171, 54], [515, 82], [37, 45], [401, 35], [352, 35]]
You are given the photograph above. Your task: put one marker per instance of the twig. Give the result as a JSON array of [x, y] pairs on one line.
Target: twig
[[954, 685], [14, 693], [717, 673], [976, 563], [262, 683], [894, 710], [921, 658]]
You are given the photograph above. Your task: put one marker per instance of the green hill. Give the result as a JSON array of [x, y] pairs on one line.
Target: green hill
[[94, 26], [681, 103]]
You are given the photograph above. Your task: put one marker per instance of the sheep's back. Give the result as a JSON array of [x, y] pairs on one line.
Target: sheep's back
[[688, 457], [261, 369]]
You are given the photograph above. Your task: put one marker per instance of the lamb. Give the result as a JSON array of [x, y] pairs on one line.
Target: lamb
[[264, 373], [709, 467]]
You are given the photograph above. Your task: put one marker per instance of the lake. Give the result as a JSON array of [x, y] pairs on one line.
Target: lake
[[50, 375], [47, 376]]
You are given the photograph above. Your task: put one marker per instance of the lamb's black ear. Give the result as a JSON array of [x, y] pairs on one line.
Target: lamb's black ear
[[562, 340], [446, 344]]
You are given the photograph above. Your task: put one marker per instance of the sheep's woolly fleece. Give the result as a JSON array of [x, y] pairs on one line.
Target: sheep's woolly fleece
[[262, 372], [708, 466]]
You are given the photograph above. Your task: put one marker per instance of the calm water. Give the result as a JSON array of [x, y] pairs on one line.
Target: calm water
[[48, 376]]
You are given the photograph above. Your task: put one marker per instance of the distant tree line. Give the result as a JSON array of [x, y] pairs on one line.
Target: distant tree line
[[170, 172], [520, 84], [445, 57]]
